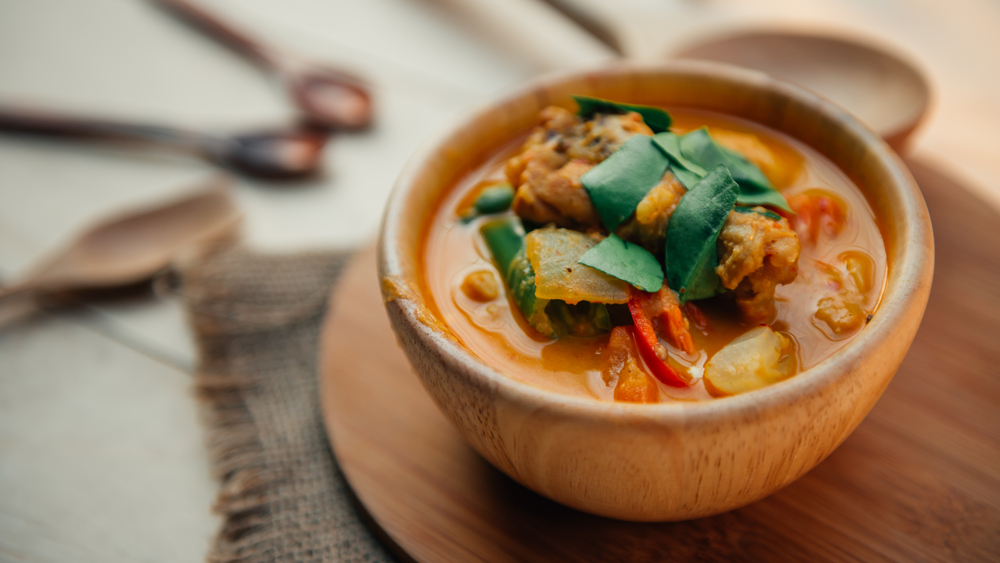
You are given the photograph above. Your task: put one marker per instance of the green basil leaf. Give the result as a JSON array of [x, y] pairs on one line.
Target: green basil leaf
[[657, 119], [687, 173], [691, 256], [626, 261], [755, 188], [687, 178], [670, 144], [760, 211], [764, 197], [619, 182]]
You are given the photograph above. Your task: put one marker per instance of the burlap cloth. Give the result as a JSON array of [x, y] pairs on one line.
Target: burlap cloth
[[257, 321]]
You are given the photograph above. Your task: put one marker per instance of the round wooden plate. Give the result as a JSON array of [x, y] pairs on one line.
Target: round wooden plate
[[919, 479]]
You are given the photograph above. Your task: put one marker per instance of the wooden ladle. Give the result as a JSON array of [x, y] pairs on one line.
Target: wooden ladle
[[132, 247], [328, 98], [269, 154]]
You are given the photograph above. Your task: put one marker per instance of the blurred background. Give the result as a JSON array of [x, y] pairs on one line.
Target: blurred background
[[72, 376]]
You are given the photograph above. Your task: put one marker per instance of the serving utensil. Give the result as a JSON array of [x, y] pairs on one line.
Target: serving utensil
[[270, 154], [133, 246], [881, 87], [327, 97]]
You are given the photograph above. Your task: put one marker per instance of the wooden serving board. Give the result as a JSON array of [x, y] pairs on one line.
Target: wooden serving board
[[919, 480]]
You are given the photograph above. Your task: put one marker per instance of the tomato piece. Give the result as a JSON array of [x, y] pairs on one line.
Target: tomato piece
[[817, 210]]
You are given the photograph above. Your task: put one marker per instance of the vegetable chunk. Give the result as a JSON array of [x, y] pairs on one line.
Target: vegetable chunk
[[751, 361], [622, 369], [480, 286], [554, 255], [505, 239]]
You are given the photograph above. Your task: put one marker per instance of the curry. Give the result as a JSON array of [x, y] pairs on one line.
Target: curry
[[630, 253]]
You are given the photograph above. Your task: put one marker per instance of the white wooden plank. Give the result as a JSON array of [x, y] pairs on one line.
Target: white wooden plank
[[103, 458]]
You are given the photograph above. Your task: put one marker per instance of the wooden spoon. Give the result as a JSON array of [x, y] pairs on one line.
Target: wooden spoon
[[268, 154], [882, 88], [328, 98], [132, 247]]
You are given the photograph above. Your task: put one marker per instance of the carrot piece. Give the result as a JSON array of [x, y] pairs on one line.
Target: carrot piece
[[677, 325], [634, 385], [664, 305]]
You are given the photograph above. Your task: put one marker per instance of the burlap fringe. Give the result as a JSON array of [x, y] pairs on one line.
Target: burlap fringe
[[238, 459], [256, 319]]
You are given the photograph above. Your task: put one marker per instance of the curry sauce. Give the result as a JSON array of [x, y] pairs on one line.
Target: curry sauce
[[841, 274]]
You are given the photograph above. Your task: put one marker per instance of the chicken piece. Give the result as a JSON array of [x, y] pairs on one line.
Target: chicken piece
[[648, 228], [622, 369], [542, 147], [604, 134], [756, 254], [528, 205], [842, 312], [564, 192], [843, 308], [546, 174]]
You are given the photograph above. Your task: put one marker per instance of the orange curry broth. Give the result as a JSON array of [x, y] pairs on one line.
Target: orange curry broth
[[497, 333]]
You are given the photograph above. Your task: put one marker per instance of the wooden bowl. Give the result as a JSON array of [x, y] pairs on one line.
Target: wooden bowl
[[669, 461]]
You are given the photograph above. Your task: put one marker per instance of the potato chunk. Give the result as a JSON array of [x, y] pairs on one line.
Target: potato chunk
[[749, 362]]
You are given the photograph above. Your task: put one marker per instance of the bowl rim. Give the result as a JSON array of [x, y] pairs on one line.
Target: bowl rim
[[910, 275]]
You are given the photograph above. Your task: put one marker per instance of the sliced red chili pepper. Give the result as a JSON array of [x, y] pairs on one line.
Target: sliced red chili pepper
[[645, 338]]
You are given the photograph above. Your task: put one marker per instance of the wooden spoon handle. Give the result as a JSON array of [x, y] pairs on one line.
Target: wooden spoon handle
[[533, 30], [27, 121], [18, 292], [223, 31]]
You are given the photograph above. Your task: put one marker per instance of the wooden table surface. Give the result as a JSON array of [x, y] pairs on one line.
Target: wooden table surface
[[101, 456], [918, 480]]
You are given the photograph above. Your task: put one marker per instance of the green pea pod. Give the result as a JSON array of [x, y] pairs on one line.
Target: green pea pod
[[495, 199], [505, 240], [584, 319]]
